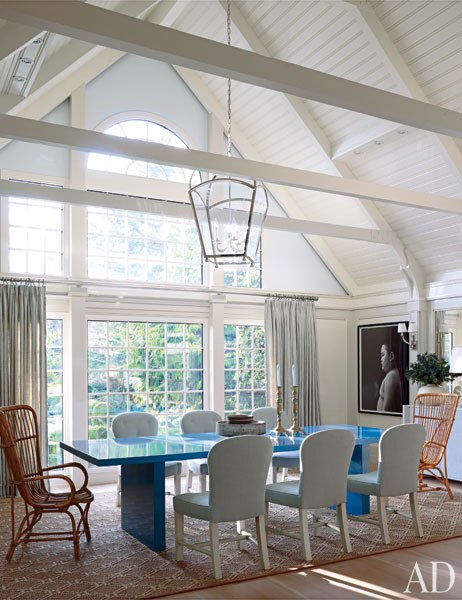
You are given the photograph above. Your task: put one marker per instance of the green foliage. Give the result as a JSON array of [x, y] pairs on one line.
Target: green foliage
[[428, 369]]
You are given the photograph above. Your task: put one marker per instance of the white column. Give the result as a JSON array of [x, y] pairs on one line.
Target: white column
[[217, 353], [77, 180]]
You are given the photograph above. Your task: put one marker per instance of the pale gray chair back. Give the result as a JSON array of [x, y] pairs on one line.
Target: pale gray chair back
[[238, 468], [199, 421], [134, 424], [325, 457], [399, 455], [270, 416]]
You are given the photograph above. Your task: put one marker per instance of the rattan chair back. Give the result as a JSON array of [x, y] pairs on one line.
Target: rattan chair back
[[436, 412]]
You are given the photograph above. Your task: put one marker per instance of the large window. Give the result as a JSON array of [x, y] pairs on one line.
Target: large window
[[35, 236], [245, 374], [142, 247], [245, 275], [139, 366], [54, 341], [147, 131]]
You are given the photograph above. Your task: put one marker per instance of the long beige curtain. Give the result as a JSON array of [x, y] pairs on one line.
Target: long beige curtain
[[23, 375], [290, 332]]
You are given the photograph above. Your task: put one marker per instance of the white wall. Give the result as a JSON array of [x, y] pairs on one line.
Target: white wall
[[139, 84], [38, 158]]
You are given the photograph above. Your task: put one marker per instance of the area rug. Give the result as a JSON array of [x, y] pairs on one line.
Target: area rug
[[115, 565]]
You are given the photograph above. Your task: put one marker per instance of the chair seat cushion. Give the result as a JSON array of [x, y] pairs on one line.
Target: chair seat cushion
[[198, 466], [193, 505], [364, 483], [287, 460], [285, 493], [172, 468]]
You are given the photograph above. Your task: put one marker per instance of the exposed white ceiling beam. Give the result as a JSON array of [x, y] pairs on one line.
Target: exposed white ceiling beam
[[397, 67], [322, 143], [175, 209], [78, 63], [63, 136], [13, 37], [99, 26]]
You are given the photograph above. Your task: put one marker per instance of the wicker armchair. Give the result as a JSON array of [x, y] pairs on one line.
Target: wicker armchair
[[19, 439], [436, 412]]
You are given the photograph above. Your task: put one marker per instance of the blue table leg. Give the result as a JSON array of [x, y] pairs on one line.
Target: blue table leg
[[143, 503], [358, 504]]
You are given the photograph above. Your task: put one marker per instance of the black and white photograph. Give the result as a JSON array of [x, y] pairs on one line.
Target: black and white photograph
[[383, 358]]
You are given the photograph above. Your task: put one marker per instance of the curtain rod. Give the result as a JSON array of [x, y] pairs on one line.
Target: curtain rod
[[293, 296], [27, 280]]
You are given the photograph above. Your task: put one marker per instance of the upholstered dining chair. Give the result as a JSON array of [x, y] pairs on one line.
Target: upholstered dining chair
[[19, 438], [436, 412], [142, 424], [399, 455], [237, 470], [199, 421], [281, 460], [324, 461]]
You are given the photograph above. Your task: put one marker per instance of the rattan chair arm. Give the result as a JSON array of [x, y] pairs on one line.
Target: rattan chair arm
[[72, 464], [68, 480]]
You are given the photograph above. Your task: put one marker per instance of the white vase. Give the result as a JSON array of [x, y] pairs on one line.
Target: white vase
[[432, 389]]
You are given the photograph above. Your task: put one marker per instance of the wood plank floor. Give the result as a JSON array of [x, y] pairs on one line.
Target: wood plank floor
[[380, 576]]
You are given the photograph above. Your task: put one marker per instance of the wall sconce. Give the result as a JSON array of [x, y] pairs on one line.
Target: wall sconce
[[412, 334]]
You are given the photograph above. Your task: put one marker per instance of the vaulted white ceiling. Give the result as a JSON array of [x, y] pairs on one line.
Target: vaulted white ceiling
[[408, 48]]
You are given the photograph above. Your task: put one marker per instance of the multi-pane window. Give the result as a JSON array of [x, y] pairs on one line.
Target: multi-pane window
[[245, 275], [125, 245], [54, 345], [140, 366], [35, 236], [245, 374], [147, 131]]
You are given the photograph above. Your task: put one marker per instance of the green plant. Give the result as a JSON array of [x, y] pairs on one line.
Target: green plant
[[428, 369]]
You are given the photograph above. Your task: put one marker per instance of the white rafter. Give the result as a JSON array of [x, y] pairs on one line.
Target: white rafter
[[392, 60], [99, 26], [320, 140], [62, 136]]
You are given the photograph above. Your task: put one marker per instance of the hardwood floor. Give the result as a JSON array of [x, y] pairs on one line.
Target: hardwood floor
[[381, 576]]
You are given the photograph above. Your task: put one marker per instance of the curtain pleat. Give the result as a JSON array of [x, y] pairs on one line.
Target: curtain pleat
[[23, 375], [290, 332]]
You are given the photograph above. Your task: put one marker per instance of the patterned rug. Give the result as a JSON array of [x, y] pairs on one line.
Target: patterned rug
[[115, 565]]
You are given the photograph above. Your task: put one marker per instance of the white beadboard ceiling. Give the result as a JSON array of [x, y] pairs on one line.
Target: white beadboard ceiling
[[332, 37]]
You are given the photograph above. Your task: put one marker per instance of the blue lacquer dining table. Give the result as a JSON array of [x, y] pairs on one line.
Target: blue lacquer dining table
[[142, 462]]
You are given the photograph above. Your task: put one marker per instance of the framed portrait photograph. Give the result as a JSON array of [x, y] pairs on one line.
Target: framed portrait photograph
[[383, 358]]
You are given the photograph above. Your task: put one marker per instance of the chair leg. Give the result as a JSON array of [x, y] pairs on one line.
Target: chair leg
[[275, 474], [75, 535], [215, 549], [316, 517], [203, 480], [262, 543], [119, 493], [266, 512], [304, 535], [416, 514], [177, 483], [445, 477], [285, 473], [240, 527], [382, 514], [179, 536], [343, 524], [189, 480]]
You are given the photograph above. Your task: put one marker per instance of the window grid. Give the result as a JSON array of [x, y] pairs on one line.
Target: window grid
[[245, 275], [54, 347], [35, 236], [143, 366], [245, 372], [147, 131], [124, 245]]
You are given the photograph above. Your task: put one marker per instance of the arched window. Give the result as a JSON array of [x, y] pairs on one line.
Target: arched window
[[148, 131]]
